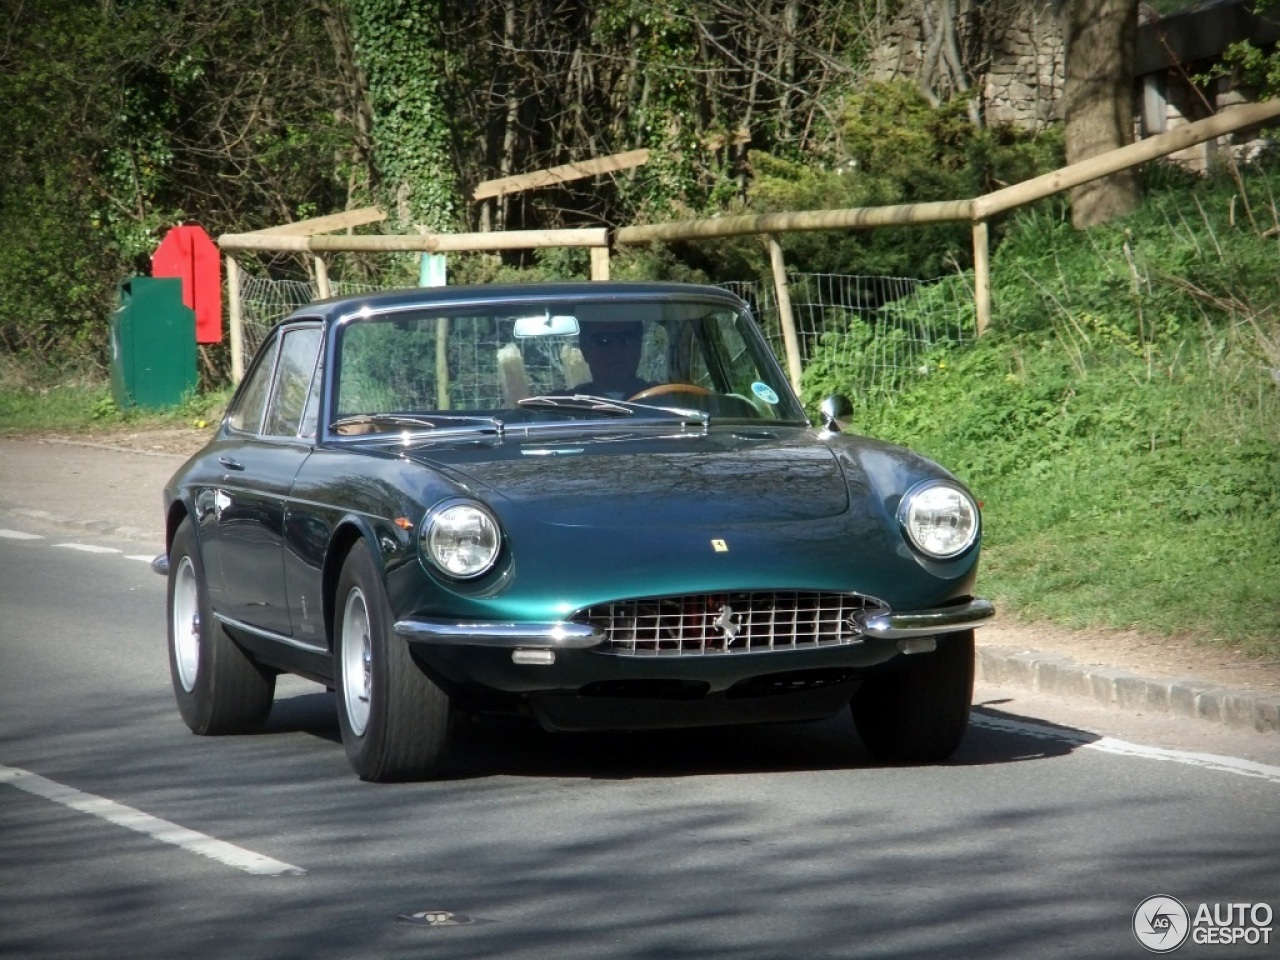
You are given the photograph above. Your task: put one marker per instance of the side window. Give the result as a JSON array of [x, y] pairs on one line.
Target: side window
[[311, 415], [293, 381], [246, 415]]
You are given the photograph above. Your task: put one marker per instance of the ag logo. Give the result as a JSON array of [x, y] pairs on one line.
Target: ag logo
[[1161, 924]]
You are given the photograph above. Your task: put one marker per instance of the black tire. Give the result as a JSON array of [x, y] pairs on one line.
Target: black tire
[[919, 714], [219, 689], [395, 720]]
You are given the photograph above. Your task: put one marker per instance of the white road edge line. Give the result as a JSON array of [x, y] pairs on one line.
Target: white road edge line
[[87, 547], [1208, 761], [19, 535], [162, 830]]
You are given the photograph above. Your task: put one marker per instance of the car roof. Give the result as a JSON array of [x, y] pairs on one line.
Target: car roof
[[595, 290]]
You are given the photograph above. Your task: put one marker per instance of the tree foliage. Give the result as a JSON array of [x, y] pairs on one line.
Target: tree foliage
[[891, 146], [129, 116], [126, 118], [399, 46], [1249, 65], [539, 84]]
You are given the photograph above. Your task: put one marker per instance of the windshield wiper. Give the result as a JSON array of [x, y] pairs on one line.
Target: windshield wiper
[[377, 420], [588, 403], [580, 403]]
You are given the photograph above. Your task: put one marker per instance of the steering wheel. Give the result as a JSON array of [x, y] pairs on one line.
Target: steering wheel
[[664, 388]]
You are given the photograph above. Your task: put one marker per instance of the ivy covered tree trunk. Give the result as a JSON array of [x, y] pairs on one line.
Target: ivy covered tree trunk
[[399, 46], [1101, 41], [353, 109]]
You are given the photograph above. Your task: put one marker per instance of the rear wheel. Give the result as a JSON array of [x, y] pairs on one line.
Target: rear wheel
[[218, 687], [395, 720], [919, 714]]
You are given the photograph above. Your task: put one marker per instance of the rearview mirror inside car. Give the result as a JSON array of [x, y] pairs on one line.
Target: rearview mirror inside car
[[546, 325]]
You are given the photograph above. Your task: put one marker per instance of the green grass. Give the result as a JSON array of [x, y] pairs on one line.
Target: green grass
[[1121, 423], [68, 407], [1112, 501], [52, 402]]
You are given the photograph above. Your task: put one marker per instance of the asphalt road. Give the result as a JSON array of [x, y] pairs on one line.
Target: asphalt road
[[124, 836]]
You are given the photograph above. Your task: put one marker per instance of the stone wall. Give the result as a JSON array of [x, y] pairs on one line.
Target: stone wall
[[1012, 51], [1022, 84]]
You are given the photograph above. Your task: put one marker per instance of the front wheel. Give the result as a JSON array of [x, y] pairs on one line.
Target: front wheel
[[920, 713], [394, 719], [218, 687]]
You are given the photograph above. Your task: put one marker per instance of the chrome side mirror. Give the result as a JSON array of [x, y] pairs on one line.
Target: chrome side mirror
[[836, 410]]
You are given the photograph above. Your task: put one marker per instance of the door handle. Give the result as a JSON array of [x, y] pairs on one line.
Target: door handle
[[230, 463]]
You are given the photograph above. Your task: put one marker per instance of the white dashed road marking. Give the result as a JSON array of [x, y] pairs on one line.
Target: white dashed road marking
[[144, 823], [6, 534], [1207, 761]]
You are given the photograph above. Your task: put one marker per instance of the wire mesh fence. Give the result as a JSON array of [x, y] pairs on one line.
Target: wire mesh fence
[[876, 330], [265, 302]]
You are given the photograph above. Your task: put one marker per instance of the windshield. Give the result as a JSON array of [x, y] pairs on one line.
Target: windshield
[[523, 363]]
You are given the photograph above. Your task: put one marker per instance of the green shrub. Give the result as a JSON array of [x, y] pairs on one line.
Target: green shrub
[[892, 146]]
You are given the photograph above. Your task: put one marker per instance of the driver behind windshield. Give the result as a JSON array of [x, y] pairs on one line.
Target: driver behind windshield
[[612, 351]]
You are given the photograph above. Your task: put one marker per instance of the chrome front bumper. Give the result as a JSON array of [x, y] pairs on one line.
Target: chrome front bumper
[[557, 635], [564, 635], [927, 623]]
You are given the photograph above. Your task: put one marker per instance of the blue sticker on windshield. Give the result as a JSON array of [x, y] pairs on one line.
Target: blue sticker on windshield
[[764, 392]]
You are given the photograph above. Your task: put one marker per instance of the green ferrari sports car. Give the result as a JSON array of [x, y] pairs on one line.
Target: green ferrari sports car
[[599, 505]]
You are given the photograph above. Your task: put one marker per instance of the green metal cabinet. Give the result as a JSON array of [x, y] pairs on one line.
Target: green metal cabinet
[[153, 344]]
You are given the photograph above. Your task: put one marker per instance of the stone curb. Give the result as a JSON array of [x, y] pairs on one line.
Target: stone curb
[[1121, 690]]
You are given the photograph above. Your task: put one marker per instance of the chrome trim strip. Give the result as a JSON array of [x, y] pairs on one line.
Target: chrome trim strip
[[925, 623], [160, 564], [557, 635], [268, 635]]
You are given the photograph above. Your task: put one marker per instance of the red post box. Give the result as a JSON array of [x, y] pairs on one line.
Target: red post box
[[189, 253]]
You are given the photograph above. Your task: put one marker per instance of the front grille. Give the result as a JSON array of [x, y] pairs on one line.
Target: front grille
[[718, 623]]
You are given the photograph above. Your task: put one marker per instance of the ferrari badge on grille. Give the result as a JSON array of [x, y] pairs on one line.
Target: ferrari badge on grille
[[729, 623]]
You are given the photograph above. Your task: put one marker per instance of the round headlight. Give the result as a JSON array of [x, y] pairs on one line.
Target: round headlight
[[940, 519], [461, 539]]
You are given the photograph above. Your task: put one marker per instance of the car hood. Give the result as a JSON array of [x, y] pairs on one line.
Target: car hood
[[625, 480], [588, 518]]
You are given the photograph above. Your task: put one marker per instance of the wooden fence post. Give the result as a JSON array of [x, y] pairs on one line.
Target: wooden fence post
[[982, 275], [599, 263], [235, 319], [322, 279], [789, 339]]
